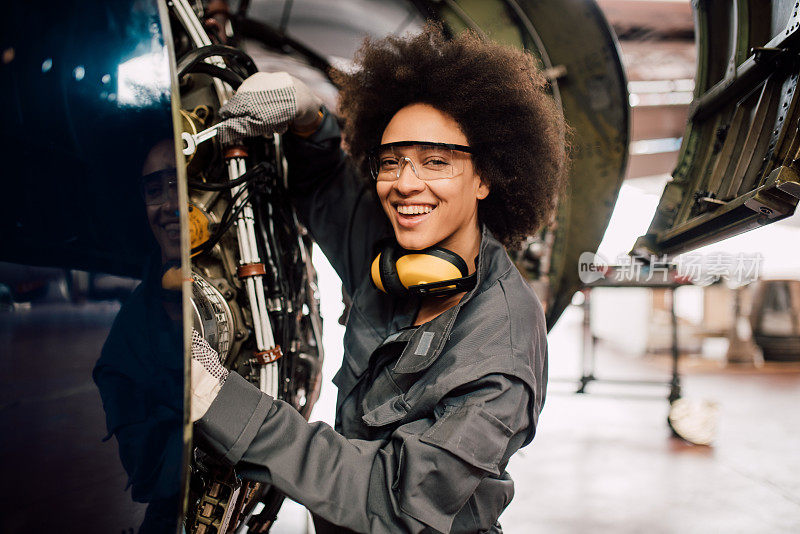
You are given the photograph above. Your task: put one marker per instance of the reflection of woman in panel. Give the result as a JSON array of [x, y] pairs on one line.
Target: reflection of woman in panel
[[456, 145], [140, 372]]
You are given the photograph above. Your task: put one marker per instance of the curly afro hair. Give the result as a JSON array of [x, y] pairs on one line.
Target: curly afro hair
[[497, 95]]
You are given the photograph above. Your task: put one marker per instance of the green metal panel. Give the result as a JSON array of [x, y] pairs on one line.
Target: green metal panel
[[737, 166]]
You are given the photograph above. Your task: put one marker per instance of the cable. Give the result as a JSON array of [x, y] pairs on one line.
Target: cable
[[229, 76], [225, 225], [252, 174], [190, 59]]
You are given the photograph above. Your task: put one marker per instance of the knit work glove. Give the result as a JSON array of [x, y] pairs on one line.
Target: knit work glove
[[208, 375], [267, 103]]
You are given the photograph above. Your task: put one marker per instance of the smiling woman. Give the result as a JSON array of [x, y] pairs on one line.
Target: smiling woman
[[160, 192], [438, 389], [493, 98]]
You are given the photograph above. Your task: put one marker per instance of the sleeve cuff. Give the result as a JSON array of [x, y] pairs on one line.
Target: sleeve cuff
[[326, 131], [233, 419]]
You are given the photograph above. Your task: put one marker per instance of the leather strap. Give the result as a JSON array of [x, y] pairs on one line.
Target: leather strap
[[251, 269]]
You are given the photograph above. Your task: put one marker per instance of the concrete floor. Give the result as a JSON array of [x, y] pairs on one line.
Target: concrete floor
[[607, 462]]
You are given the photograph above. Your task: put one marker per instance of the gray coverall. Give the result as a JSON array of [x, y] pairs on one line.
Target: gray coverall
[[427, 417]]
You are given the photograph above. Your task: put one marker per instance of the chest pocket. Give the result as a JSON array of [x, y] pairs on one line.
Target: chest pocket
[[383, 401]]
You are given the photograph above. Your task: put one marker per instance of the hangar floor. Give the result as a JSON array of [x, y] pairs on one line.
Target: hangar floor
[[609, 463], [606, 461]]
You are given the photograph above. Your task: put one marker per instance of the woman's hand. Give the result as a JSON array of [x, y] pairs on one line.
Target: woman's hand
[[267, 103], [208, 375]]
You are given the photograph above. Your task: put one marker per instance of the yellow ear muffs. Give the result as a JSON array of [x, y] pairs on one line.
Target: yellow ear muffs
[[418, 269], [433, 271]]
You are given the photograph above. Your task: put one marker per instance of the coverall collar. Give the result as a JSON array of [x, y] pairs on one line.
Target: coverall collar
[[429, 339]]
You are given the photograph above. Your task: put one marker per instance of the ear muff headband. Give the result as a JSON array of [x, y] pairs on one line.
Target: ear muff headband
[[433, 271]]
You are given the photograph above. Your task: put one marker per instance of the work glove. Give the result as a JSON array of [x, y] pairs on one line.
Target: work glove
[[208, 375], [267, 103]]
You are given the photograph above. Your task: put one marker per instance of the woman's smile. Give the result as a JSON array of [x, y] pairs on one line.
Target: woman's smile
[[410, 214]]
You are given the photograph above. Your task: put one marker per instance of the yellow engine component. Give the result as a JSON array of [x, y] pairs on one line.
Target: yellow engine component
[[199, 227], [193, 122]]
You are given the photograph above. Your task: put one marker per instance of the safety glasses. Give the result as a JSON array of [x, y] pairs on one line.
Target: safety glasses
[[428, 160]]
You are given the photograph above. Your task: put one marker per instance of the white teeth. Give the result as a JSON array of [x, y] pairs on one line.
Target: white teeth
[[416, 209]]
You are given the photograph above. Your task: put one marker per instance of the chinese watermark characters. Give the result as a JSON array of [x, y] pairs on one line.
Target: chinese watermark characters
[[699, 269]]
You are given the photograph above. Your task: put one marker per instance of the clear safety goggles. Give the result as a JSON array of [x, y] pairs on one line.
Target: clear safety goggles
[[429, 161], [159, 187]]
